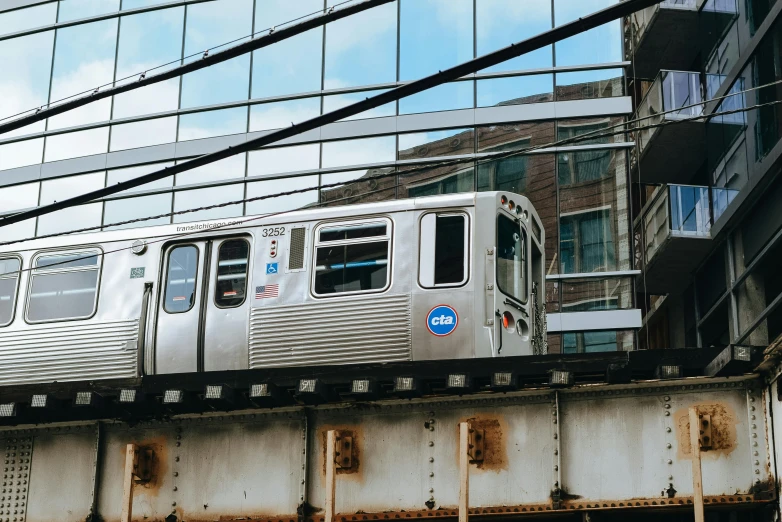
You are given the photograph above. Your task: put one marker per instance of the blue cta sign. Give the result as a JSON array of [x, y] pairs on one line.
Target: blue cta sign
[[442, 320]]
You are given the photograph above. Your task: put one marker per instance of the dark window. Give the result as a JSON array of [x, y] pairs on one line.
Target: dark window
[[64, 286], [511, 258], [589, 342], [181, 279], [231, 285], [586, 242], [352, 258], [449, 250], [9, 279]]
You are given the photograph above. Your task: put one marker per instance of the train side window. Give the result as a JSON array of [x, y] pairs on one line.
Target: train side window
[[444, 248], [9, 281], [352, 258], [231, 284], [181, 279], [64, 286], [512, 258]]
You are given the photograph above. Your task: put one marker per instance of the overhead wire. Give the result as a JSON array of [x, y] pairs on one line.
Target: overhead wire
[[428, 167], [556, 34]]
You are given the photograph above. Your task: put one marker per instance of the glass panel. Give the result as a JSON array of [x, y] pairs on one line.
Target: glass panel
[[231, 283], [71, 260], [189, 199], [419, 180], [292, 65], [134, 4], [181, 279], [533, 176], [446, 97], [60, 296], [7, 299], [586, 295], [212, 123], [361, 49], [76, 144], [75, 9], [284, 203], [516, 91], [689, 210], [359, 152], [435, 35], [358, 187], [359, 231], [17, 198], [21, 153], [449, 250], [228, 168], [351, 268], [143, 133], [277, 115], [337, 101], [584, 85], [511, 259], [83, 60], [27, 65], [147, 41], [75, 217], [597, 341], [500, 23], [284, 159], [119, 175], [755, 293], [29, 18], [599, 45], [209, 24], [133, 208]]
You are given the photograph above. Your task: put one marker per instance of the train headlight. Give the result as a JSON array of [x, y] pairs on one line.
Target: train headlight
[[503, 200], [43, 400], [668, 371], [88, 398], [173, 397], [458, 382], [511, 205], [503, 380], [559, 378]]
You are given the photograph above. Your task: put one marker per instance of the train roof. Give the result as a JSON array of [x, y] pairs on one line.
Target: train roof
[[219, 226]]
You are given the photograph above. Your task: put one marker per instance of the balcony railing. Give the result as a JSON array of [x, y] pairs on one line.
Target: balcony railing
[[674, 211]]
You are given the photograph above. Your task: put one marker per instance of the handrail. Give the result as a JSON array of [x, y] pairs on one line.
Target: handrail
[[142, 329]]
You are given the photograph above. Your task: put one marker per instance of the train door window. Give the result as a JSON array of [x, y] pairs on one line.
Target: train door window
[[444, 249], [64, 286], [352, 257], [181, 279], [231, 284], [9, 281], [511, 258]]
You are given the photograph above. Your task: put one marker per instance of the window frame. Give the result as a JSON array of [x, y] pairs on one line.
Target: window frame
[[15, 297], [467, 246], [167, 267], [525, 261], [317, 243], [246, 273], [34, 271]]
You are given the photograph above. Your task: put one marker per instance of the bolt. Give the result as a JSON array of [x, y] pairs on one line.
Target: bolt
[[667, 413], [176, 488], [670, 477], [670, 461], [176, 473], [667, 406], [556, 468], [668, 445], [667, 430], [431, 459], [431, 490], [431, 473], [666, 398], [556, 452], [173, 504], [431, 443], [176, 459]]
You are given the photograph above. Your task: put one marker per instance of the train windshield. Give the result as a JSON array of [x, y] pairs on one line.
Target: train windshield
[[511, 257]]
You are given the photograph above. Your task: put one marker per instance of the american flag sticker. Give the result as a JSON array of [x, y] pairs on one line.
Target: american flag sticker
[[263, 292]]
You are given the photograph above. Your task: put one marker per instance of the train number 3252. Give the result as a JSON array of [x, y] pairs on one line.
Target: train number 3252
[[276, 231]]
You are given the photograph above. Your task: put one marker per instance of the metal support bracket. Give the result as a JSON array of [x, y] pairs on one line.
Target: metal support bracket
[[697, 472]]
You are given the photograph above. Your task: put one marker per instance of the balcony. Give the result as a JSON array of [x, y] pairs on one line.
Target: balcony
[[670, 153], [672, 237], [662, 36]]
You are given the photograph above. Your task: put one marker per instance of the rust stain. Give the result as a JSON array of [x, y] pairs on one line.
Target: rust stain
[[342, 430], [495, 455], [159, 446], [723, 430]]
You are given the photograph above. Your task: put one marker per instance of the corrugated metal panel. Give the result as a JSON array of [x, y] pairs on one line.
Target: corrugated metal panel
[[296, 254], [375, 329], [69, 352]]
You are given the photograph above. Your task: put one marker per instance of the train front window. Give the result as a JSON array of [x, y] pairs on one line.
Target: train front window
[[9, 280], [64, 286], [231, 283], [352, 258], [511, 258], [181, 279]]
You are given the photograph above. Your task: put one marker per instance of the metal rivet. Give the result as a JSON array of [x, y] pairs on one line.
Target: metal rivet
[[667, 413], [431, 473], [670, 461], [431, 490], [666, 398], [431, 459], [668, 430], [556, 468], [668, 445], [431, 443], [173, 504], [666, 406], [175, 488]]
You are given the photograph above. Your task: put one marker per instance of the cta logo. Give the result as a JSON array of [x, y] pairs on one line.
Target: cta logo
[[442, 320]]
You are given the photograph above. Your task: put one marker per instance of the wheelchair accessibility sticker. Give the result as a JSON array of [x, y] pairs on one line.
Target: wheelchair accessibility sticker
[[442, 320], [271, 268]]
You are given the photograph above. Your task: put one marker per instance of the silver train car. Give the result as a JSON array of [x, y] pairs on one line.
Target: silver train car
[[440, 277]]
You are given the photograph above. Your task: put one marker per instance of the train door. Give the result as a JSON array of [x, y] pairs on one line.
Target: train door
[[202, 314], [511, 298]]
